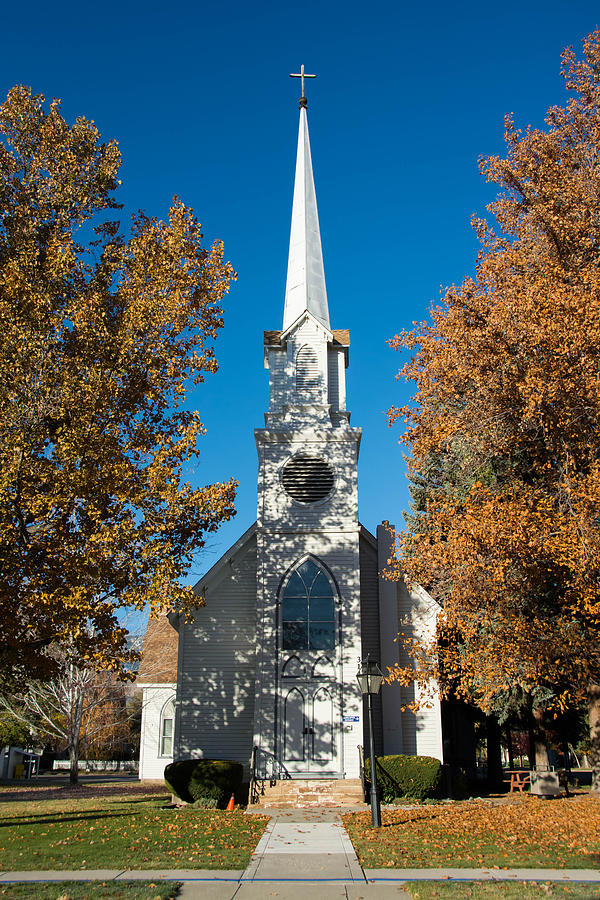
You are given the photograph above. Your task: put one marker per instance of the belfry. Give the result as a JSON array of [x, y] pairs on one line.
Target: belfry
[[266, 672]]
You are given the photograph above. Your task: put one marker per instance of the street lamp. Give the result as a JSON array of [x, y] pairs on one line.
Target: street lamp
[[369, 677]]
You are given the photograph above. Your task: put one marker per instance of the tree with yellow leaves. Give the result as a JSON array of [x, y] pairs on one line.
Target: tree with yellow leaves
[[504, 429], [97, 346]]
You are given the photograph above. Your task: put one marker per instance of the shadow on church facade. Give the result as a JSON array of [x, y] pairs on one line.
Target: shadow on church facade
[[270, 661]]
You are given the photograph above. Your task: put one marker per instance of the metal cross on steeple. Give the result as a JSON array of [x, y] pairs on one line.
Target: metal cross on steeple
[[305, 283], [302, 102]]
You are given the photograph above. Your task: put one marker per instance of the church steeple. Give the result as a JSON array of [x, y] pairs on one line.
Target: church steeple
[[307, 529], [305, 286]]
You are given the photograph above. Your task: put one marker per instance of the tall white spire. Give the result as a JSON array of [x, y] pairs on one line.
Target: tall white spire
[[305, 286]]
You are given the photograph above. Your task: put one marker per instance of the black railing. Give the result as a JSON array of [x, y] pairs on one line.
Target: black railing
[[361, 765], [264, 768], [252, 792]]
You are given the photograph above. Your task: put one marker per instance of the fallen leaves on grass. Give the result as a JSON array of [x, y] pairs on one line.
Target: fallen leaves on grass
[[525, 832], [90, 890], [139, 835], [522, 890]]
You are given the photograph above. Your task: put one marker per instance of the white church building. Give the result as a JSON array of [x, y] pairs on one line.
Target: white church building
[[270, 661]]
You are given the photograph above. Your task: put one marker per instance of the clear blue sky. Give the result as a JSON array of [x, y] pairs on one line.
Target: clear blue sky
[[408, 96]]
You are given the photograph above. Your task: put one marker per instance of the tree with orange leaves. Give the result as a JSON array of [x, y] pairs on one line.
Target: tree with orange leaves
[[78, 707], [504, 428], [98, 345]]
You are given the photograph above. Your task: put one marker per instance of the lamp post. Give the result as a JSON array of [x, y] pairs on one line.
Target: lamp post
[[369, 677]]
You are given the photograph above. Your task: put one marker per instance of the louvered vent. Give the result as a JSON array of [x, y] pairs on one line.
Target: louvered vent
[[307, 478], [307, 370], [333, 385]]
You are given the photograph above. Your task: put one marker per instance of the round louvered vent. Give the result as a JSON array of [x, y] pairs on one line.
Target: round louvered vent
[[307, 478]]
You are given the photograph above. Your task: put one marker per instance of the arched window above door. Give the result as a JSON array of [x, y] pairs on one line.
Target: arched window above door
[[308, 610]]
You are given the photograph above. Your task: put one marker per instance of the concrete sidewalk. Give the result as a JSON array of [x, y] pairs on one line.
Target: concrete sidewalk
[[305, 855], [304, 850], [381, 884]]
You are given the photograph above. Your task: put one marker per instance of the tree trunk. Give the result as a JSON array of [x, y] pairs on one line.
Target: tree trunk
[[77, 715], [594, 717], [74, 760], [509, 744], [494, 754], [542, 763]]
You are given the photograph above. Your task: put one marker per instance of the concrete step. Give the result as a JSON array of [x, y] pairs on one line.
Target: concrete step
[[307, 793]]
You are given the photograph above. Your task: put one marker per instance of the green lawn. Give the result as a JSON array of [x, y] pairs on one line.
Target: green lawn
[[436, 890], [525, 831], [90, 890], [118, 832]]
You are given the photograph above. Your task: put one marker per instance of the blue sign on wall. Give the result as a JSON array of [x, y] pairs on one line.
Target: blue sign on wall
[[350, 718]]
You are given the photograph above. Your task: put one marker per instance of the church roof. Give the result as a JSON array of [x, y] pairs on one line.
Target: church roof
[[159, 655], [340, 336], [226, 559], [305, 286]]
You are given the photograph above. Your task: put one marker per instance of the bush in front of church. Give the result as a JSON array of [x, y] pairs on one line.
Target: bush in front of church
[[177, 778], [206, 781], [415, 777], [216, 778]]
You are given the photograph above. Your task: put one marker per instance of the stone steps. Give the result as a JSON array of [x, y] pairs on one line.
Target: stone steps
[[312, 792]]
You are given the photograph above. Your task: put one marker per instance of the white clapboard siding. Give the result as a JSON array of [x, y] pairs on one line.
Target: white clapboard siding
[[369, 621], [417, 612], [152, 760], [217, 681], [279, 511], [278, 380], [333, 379]]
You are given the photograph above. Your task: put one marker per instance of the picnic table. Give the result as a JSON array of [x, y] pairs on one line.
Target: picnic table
[[518, 779]]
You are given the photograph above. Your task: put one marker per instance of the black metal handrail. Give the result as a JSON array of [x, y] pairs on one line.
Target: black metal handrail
[[252, 792], [258, 781], [361, 769]]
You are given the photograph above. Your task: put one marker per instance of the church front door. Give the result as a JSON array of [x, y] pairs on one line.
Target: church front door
[[309, 715], [309, 684]]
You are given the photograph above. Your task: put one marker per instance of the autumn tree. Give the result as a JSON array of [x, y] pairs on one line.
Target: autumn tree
[[107, 726], [14, 733], [504, 429], [78, 707], [99, 343]]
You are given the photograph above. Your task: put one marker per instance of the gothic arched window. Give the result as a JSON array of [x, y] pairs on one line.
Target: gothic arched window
[[167, 720], [308, 610], [307, 370]]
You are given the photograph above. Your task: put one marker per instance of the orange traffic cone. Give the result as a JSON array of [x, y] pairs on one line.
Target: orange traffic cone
[[230, 805]]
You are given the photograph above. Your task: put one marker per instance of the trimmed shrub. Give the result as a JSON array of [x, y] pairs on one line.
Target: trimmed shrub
[[204, 779], [177, 778], [207, 791], [206, 803], [416, 777], [215, 779]]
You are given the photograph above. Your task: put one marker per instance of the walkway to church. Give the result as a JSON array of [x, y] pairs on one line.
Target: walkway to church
[[305, 854]]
